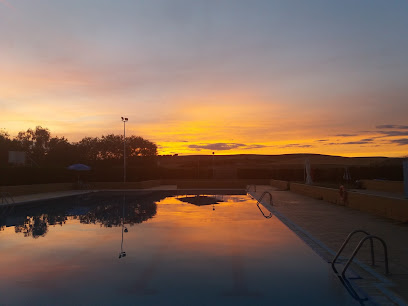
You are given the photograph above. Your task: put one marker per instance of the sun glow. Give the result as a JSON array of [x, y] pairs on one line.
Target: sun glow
[[197, 84]]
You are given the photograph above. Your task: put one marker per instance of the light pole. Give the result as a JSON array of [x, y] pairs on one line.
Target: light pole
[[124, 120], [213, 166]]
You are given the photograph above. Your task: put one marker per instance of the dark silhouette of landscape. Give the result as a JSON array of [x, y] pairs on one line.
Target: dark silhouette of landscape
[[48, 158]]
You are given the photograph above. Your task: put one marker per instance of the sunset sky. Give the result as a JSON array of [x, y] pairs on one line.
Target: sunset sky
[[197, 76]]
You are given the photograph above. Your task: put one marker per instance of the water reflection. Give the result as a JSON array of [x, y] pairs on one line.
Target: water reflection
[[260, 209], [124, 229], [106, 209], [181, 254], [350, 289], [36, 226], [200, 200]]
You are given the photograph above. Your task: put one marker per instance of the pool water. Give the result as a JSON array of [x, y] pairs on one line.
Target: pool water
[[170, 249]]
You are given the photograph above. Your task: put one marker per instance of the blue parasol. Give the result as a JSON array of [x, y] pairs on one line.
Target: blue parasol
[[79, 167]]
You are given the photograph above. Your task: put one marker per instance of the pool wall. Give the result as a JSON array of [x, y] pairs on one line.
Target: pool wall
[[215, 183]]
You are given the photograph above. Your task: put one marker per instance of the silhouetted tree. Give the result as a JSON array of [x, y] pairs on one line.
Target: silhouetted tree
[[61, 152], [58, 151], [5, 145], [34, 142], [111, 147], [88, 149], [139, 146]]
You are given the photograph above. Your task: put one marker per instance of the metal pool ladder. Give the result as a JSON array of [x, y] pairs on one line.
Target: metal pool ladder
[[5, 197], [260, 199], [360, 244], [270, 202], [263, 195]]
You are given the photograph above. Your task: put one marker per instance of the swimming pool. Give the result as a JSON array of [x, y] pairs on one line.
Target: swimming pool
[[170, 249]]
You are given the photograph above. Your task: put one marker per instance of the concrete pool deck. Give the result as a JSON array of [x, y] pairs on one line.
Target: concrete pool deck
[[324, 226], [22, 199]]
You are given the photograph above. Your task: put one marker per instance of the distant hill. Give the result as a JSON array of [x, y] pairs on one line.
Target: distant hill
[[275, 161]]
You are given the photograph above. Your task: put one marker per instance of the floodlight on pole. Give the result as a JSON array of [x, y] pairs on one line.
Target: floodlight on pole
[[213, 165], [124, 120]]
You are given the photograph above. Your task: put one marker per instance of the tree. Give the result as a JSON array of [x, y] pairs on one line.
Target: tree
[[139, 146], [24, 140], [61, 152], [88, 149], [111, 147], [34, 142], [44, 149], [5, 144]]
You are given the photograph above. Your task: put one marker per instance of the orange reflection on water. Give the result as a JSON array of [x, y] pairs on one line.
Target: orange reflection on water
[[215, 229], [36, 262], [180, 233]]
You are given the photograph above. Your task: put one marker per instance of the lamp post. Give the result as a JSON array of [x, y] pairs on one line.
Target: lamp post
[[124, 120], [213, 165]]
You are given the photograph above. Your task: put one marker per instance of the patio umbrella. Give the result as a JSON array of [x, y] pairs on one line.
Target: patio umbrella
[[79, 167]]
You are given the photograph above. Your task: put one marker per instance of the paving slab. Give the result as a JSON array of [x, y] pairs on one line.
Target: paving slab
[[386, 194]]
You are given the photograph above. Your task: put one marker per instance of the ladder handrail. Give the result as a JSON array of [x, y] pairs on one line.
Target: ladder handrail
[[270, 202], [345, 243], [260, 199], [358, 248], [4, 196], [270, 197], [267, 217]]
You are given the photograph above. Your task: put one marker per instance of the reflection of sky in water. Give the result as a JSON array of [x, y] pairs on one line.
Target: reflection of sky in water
[[180, 254]]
